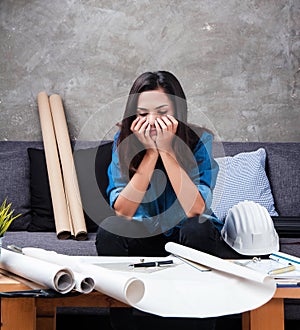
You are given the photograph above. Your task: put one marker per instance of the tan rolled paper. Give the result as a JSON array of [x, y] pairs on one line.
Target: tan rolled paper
[[68, 167], [58, 196]]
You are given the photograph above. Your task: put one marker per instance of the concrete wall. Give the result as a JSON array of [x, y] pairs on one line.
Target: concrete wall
[[238, 62]]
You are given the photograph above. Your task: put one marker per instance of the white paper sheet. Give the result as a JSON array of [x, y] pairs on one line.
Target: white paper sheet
[[45, 273], [184, 291], [266, 265], [286, 259]]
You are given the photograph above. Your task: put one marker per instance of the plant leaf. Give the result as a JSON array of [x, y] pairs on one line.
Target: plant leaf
[[6, 216]]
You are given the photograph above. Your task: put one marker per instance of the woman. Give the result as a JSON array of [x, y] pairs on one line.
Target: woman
[[161, 176]]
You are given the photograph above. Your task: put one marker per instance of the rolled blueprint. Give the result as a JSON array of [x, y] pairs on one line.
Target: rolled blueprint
[[123, 287], [213, 262], [68, 167], [47, 274], [58, 197], [128, 289], [83, 282]]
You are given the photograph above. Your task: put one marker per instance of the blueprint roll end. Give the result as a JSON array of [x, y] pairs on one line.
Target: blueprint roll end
[[87, 285], [134, 291]]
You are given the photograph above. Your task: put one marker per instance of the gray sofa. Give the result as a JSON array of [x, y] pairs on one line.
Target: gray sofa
[[16, 171]]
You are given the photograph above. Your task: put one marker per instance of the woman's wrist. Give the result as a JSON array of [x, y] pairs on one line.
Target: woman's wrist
[[152, 152], [167, 152]]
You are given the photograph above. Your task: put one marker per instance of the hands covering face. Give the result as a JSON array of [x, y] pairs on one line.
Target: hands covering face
[[158, 135]]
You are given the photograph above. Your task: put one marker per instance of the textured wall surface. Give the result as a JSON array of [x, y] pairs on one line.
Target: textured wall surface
[[238, 62]]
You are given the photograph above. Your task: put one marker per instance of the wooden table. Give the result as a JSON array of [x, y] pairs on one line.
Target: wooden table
[[270, 315], [40, 313]]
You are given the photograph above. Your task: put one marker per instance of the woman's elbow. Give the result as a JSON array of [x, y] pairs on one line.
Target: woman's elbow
[[123, 211], [197, 210]]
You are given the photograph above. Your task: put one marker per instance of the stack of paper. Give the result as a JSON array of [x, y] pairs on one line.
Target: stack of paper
[[283, 267]]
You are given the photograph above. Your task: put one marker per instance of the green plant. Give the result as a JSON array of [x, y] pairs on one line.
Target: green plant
[[6, 216]]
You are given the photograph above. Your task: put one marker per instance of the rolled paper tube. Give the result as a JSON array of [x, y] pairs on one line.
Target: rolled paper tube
[[58, 196], [83, 283], [68, 167], [216, 263], [120, 286], [53, 276], [70, 217]]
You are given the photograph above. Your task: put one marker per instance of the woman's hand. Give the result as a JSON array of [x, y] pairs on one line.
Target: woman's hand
[[141, 129], [166, 127]]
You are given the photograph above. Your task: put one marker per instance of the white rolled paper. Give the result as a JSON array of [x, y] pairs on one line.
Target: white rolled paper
[[216, 263], [47, 274], [122, 287], [83, 283]]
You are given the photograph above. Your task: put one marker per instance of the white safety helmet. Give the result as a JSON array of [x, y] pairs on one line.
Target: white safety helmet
[[249, 229]]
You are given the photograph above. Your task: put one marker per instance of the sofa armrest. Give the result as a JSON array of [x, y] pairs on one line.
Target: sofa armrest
[[287, 226]]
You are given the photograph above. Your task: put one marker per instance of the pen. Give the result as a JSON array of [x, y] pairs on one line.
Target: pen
[[14, 248], [282, 270], [152, 264]]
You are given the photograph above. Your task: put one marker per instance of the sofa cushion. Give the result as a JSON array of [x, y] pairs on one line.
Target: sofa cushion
[[242, 177], [284, 174], [14, 178], [91, 165], [42, 218], [282, 168]]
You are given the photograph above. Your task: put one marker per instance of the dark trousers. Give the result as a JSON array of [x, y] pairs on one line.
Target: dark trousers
[[194, 233]]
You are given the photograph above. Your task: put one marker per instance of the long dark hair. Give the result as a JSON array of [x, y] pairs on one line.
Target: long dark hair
[[131, 151]]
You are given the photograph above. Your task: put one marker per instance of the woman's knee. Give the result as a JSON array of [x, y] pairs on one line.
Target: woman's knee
[[109, 244], [200, 234]]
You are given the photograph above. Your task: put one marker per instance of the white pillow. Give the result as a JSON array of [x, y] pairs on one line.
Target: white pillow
[[242, 177]]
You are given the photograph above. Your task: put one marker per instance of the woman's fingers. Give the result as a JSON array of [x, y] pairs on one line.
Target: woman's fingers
[[166, 129], [134, 123], [147, 130], [137, 124], [157, 126], [162, 124], [143, 127], [167, 123], [174, 121]]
